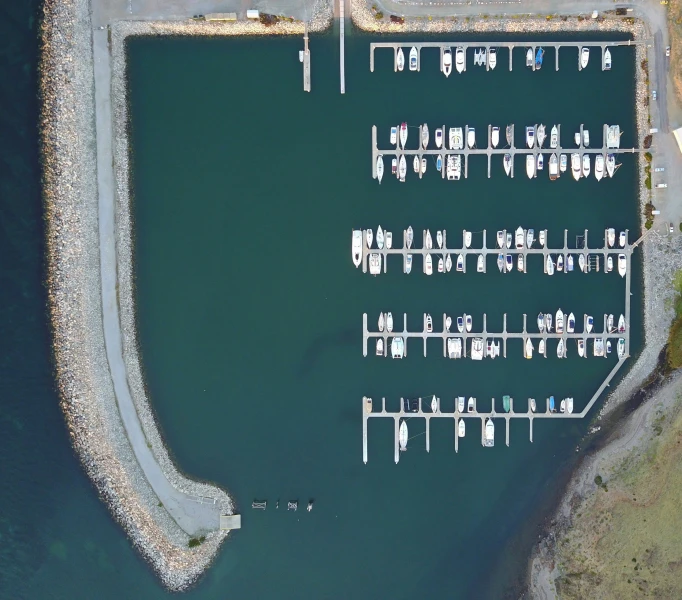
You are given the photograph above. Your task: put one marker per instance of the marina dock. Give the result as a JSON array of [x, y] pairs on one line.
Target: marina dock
[[306, 61]]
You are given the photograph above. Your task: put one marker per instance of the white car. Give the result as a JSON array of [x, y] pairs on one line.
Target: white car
[[667, 51], [654, 94], [670, 227], [659, 169]]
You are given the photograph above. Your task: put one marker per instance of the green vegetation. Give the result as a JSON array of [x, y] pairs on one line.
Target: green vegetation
[[649, 209], [599, 482], [379, 15], [648, 156], [194, 542], [674, 349]]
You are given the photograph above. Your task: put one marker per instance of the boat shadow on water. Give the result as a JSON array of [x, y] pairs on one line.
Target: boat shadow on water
[[312, 355]]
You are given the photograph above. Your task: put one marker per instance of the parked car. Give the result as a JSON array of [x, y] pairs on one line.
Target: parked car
[[659, 169], [654, 94], [670, 227], [667, 51]]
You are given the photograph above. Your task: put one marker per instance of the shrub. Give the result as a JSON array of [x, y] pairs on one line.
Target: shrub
[[379, 16]]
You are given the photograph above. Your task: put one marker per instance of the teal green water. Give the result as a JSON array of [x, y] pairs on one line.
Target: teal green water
[[250, 310]]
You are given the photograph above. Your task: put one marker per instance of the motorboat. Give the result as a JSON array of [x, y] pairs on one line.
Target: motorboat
[[609, 263], [569, 263], [541, 237], [528, 348], [447, 62], [409, 237], [439, 137], [370, 238], [621, 324], [607, 60], [480, 263], [560, 262], [620, 348], [408, 264], [448, 323], [509, 239], [541, 323], [402, 436], [569, 405], [380, 346], [403, 134], [380, 238], [400, 59], [477, 349], [495, 136], [416, 165], [533, 406], [380, 167], [520, 237], [541, 136], [610, 164], [519, 263], [434, 404], [576, 138], [500, 262], [382, 321], [621, 239], [439, 238], [461, 428], [530, 166], [538, 58], [554, 137], [458, 167], [553, 167], [548, 322], [551, 404], [575, 166], [471, 405], [450, 167], [586, 138], [506, 403], [448, 263], [389, 240], [530, 136], [559, 321], [439, 163], [622, 265], [402, 168], [611, 237], [492, 58], [471, 137], [608, 346], [467, 238], [507, 161], [423, 165], [357, 247], [563, 163], [584, 57], [509, 263], [389, 322], [586, 165], [394, 167], [489, 439], [589, 323], [461, 400], [609, 323], [582, 263], [374, 263], [428, 240], [460, 324], [428, 265], [441, 265], [598, 347], [550, 265], [562, 406], [459, 138], [452, 348], [540, 162], [500, 239], [459, 59], [581, 347], [413, 59], [394, 136], [561, 349], [599, 167], [425, 136], [429, 323], [467, 322], [570, 326], [460, 262], [529, 57], [397, 347]]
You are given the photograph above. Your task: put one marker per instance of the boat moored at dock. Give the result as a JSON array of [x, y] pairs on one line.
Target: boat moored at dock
[[446, 65], [357, 247], [413, 59], [530, 166], [622, 265], [584, 57], [400, 59], [489, 437], [459, 59]]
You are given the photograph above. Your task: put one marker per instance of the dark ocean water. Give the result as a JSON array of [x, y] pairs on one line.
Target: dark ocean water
[[250, 315]]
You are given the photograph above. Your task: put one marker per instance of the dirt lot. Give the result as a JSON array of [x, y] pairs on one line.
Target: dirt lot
[[675, 28]]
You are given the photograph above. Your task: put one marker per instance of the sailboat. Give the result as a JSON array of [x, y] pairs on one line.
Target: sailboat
[[569, 263], [434, 405], [441, 265], [599, 167], [400, 59], [403, 134], [439, 238], [560, 349], [553, 167], [509, 239], [509, 133], [551, 404], [554, 137], [380, 237], [507, 163], [528, 350], [413, 59], [459, 138], [541, 135], [402, 168], [467, 238], [428, 264], [428, 241], [448, 263], [569, 405], [582, 263], [550, 265], [403, 435], [409, 237], [425, 136], [370, 238], [380, 167], [447, 62], [415, 164], [531, 402], [389, 322]]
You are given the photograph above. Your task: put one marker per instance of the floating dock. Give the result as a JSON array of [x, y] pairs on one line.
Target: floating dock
[[306, 61]]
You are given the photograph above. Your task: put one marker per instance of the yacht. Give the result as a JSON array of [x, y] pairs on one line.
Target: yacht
[[561, 349], [550, 265], [448, 263], [554, 137], [569, 405], [471, 137], [611, 237], [423, 165], [380, 346], [380, 238], [621, 239], [569, 263], [416, 164], [458, 167], [507, 164], [529, 57], [461, 400], [428, 241], [575, 166], [467, 238], [389, 240], [467, 322], [576, 138], [530, 136], [559, 321], [492, 58], [401, 59], [582, 263], [380, 167], [610, 164], [429, 323], [541, 162], [439, 162], [428, 264], [477, 349], [586, 138], [460, 262], [408, 264], [563, 163], [403, 435], [441, 265], [589, 323], [530, 166], [447, 62], [500, 239], [548, 322], [598, 347], [500, 262], [397, 347], [439, 238], [541, 237], [510, 263], [381, 321], [460, 324], [459, 59], [520, 237], [413, 59], [609, 263], [541, 135], [519, 263], [495, 136], [560, 262], [509, 239], [541, 323], [402, 168], [453, 350], [389, 322], [450, 167], [394, 136], [622, 265], [403, 134], [451, 138], [374, 263], [357, 247], [480, 263], [586, 165], [581, 348], [621, 347], [471, 405], [570, 326], [489, 439], [621, 324], [425, 136], [607, 60], [459, 138], [434, 405], [584, 57], [409, 237], [394, 167], [370, 238], [599, 167], [461, 428], [439, 137], [528, 348], [532, 404], [553, 167]]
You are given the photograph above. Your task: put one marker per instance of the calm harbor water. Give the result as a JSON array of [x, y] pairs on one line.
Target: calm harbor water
[[246, 191]]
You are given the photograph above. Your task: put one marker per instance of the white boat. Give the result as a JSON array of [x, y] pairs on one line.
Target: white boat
[[480, 264], [621, 347], [429, 323], [471, 405], [459, 138], [541, 136], [581, 348], [541, 162], [403, 435], [570, 326], [415, 164], [584, 56], [582, 263], [459, 59], [408, 264], [397, 347], [402, 168], [451, 138], [439, 137], [492, 58], [447, 62], [380, 346], [495, 136], [461, 428], [608, 346], [460, 262], [374, 263], [575, 166], [563, 163], [519, 237], [425, 136], [400, 59], [529, 57], [370, 238], [428, 241], [467, 322], [560, 262], [489, 439], [621, 324], [454, 348], [509, 239], [609, 263], [439, 238], [394, 167], [576, 138], [380, 167], [389, 322], [381, 321], [541, 323], [611, 237], [434, 405], [423, 165], [610, 164], [554, 137], [586, 165], [467, 238], [460, 403], [562, 406], [500, 262], [380, 237], [530, 136], [519, 263], [448, 323], [589, 323], [530, 166], [553, 167], [506, 161], [500, 239], [528, 348], [569, 263], [609, 323], [389, 240], [357, 247], [550, 265], [409, 237], [448, 263], [569, 405], [622, 265], [403, 134], [533, 406], [413, 59], [460, 324], [621, 239], [471, 137], [607, 60], [394, 136], [561, 349], [541, 237], [458, 167], [599, 167], [428, 264], [559, 321], [450, 167], [510, 263], [598, 347], [586, 138], [477, 349], [548, 322], [441, 265]]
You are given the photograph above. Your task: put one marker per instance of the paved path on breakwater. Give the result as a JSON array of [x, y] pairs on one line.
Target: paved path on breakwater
[[189, 512]]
